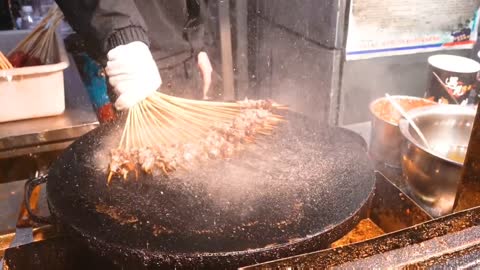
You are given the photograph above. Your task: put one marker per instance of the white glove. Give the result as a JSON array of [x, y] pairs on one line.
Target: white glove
[[206, 70], [132, 73]]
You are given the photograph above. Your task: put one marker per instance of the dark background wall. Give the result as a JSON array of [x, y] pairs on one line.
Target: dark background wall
[[296, 56], [298, 51]]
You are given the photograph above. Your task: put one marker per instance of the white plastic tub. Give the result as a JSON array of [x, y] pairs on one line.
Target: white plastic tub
[[31, 92]]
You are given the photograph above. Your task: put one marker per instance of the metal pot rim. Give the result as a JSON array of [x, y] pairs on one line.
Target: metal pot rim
[[450, 109], [374, 102]]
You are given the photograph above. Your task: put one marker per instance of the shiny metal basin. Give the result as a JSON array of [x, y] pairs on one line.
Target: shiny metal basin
[[386, 139], [433, 174]]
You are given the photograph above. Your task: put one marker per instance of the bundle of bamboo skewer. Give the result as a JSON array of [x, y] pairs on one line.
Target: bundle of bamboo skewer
[[165, 133], [164, 119], [38, 47], [4, 62]]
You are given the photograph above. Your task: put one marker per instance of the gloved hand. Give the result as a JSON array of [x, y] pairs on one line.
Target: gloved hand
[[132, 73], [206, 70]]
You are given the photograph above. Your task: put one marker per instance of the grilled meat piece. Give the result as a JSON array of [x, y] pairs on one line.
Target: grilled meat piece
[[221, 142]]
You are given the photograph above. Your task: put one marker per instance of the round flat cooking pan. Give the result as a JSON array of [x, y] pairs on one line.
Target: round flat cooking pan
[[292, 192]]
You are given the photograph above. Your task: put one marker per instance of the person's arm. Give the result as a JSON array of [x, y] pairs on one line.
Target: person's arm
[[109, 23], [118, 30]]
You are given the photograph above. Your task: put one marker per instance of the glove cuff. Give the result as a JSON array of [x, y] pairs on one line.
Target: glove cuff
[[126, 35]]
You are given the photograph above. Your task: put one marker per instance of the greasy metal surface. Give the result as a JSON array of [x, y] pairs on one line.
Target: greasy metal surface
[[468, 258], [396, 177], [79, 118], [141, 259], [427, 253], [38, 234], [55, 254], [469, 189], [25, 167], [30, 186], [37, 149], [432, 174], [33, 198], [392, 210], [386, 139], [24, 226], [303, 181], [437, 229], [11, 196]]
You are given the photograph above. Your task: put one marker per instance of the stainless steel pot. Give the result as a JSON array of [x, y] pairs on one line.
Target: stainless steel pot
[[386, 139], [432, 174]]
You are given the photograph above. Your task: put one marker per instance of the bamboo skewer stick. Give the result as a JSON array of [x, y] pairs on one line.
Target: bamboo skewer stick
[[155, 116], [4, 62], [38, 45], [54, 13], [184, 121], [166, 120], [174, 111], [177, 130], [124, 134]]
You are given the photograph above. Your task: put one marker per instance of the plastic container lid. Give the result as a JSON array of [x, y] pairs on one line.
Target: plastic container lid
[[454, 63]]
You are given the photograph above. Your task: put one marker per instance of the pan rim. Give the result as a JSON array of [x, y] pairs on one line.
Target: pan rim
[[329, 229], [361, 211]]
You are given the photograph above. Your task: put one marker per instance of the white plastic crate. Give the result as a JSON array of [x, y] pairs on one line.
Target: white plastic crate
[[31, 92]]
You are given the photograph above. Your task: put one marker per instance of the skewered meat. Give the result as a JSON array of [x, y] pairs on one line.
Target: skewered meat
[[32, 61], [18, 59], [21, 59], [221, 142], [256, 104], [146, 157], [122, 162]]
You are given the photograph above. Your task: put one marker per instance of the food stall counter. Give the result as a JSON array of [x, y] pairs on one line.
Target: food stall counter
[[46, 134]]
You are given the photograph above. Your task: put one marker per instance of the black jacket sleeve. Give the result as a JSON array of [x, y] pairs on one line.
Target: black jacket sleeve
[[197, 31], [108, 23]]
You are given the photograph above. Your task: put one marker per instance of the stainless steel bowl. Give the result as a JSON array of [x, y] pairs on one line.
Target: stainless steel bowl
[[386, 139], [433, 174]]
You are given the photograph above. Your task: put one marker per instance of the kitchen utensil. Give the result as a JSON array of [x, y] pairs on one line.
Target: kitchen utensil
[[432, 174], [295, 192], [32, 92], [410, 121], [385, 138], [469, 189]]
